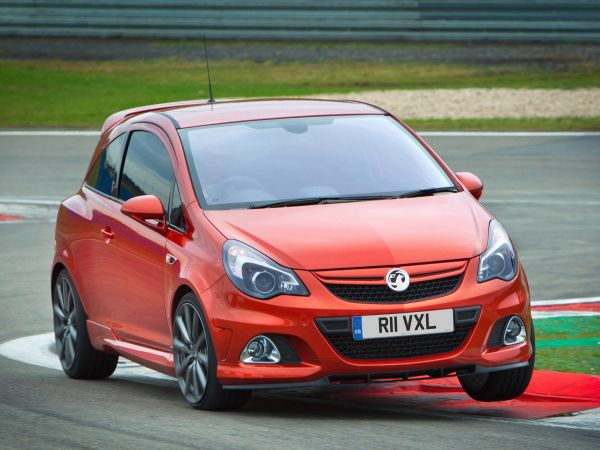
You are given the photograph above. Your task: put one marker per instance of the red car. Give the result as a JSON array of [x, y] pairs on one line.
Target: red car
[[242, 245]]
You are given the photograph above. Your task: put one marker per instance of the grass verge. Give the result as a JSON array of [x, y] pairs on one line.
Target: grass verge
[[568, 344], [84, 93]]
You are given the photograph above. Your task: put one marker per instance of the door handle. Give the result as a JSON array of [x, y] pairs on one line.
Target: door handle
[[107, 233]]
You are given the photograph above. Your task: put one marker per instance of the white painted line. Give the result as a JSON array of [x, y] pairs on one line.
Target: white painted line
[[25, 222], [565, 301], [38, 350], [540, 201], [421, 133], [29, 201], [589, 420], [555, 314]]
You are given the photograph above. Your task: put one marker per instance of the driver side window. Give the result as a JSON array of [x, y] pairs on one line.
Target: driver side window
[[147, 168]]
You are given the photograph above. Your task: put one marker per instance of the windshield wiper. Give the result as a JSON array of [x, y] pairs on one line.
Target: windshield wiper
[[342, 199], [316, 201], [425, 192]]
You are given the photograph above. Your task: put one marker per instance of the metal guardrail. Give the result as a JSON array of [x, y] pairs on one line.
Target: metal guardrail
[[452, 20]]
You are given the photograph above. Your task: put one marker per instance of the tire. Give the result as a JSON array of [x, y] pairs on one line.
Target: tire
[[196, 362], [502, 385], [77, 356]]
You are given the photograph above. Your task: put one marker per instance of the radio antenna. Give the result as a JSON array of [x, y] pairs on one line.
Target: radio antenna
[[210, 93]]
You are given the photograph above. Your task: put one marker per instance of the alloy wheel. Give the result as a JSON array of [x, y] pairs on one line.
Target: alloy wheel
[[190, 352], [65, 322]]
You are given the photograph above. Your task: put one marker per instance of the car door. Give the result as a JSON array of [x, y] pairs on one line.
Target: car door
[[138, 305], [91, 249]]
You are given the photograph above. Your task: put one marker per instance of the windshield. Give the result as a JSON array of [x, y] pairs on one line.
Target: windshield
[[240, 165]]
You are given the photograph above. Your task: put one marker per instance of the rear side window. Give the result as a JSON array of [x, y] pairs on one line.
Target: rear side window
[[105, 172], [147, 168]]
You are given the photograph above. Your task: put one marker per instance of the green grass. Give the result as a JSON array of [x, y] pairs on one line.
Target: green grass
[[83, 94], [568, 344]]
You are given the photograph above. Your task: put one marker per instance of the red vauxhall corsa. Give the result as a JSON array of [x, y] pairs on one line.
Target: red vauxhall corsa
[[242, 245]]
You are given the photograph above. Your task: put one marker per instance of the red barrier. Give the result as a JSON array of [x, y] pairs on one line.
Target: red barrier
[[9, 218], [570, 307]]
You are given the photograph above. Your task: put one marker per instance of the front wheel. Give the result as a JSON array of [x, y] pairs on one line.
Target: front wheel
[[196, 362], [502, 385]]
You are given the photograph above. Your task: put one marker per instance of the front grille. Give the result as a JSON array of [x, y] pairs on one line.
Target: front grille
[[380, 293], [398, 347]]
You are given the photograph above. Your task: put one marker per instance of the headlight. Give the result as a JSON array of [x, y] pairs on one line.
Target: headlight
[[256, 275], [499, 259]]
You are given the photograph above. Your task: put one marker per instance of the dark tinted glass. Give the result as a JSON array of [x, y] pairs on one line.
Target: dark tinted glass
[[176, 217], [147, 168], [105, 172], [282, 159]]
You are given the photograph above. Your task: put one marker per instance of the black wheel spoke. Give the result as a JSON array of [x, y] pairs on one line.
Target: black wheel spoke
[[64, 293], [195, 327], [63, 346], [69, 350], [183, 330], [180, 346], [194, 377], [187, 316], [70, 303], [201, 376], [60, 329], [188, 377], [201, 341], [203, 360], [73, 334], [59, 313]]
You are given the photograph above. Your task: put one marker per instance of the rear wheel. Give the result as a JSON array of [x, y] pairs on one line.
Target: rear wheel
[[196, 362], [77, 356], [502, 385]]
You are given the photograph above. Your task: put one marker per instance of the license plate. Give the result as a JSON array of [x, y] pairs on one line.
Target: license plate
[[406, 324]]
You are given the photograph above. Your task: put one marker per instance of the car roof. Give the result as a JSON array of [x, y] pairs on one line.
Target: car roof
[[199, 113]]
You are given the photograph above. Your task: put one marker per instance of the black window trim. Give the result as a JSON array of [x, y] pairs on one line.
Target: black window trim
[[168, 212]]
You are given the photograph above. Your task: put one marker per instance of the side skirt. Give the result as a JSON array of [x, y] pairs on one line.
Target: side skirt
[[103, 339]]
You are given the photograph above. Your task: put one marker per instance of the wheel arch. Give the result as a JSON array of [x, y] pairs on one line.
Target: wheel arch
[[180, 292], [56, 269]]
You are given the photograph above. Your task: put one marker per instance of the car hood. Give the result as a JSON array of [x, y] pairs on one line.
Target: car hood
[[362, 234]]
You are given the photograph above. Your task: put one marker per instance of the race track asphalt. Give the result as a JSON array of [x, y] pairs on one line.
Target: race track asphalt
[[545, 189]]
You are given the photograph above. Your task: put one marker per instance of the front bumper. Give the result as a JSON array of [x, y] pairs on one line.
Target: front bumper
[[236, 318], [381, 377]]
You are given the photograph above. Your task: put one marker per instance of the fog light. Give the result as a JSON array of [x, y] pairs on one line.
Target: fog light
[[514, 333], [260, 350]]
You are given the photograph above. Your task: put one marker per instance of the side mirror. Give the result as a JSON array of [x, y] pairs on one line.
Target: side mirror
[[146, 209], [471, 183]]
